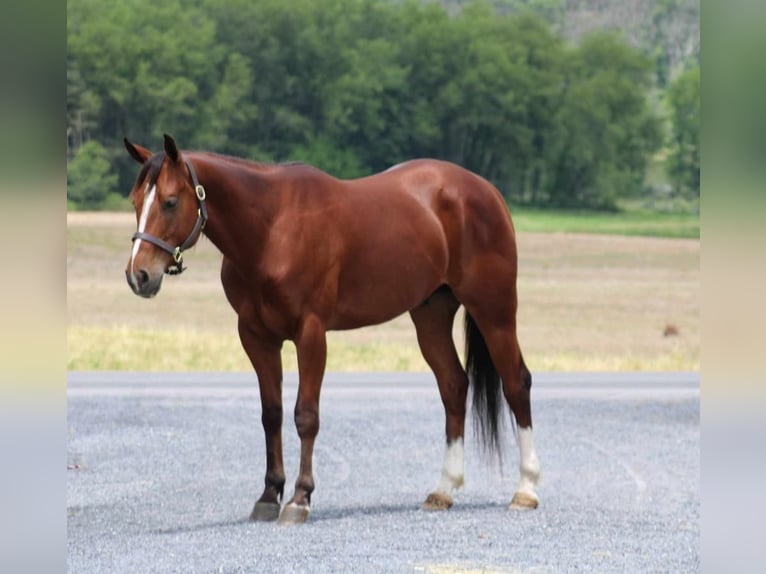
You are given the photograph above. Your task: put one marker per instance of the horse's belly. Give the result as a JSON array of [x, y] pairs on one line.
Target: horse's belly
[[373, 310], [376, 289]]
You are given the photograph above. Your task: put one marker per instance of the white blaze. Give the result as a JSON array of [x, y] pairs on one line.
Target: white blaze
[[149, 195]]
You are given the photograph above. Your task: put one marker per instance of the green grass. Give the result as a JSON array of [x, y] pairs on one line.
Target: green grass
[[630, 223]]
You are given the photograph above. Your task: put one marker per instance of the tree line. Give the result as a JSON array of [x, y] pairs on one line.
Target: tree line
[[355, 86]]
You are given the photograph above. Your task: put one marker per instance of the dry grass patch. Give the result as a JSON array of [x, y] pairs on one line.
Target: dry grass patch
[[586, 303]]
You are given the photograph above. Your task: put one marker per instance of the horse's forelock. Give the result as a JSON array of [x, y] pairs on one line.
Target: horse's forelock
[[149, 172]]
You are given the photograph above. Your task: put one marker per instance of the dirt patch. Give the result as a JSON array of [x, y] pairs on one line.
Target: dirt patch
[[586, 302], [99, 219]]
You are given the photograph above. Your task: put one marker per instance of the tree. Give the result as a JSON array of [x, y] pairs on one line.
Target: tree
[[82, 109], [355, 86], [149, 67], [684, 161], [605, 131], [90, 178]]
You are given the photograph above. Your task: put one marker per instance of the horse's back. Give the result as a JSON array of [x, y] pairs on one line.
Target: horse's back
[[470, 209]]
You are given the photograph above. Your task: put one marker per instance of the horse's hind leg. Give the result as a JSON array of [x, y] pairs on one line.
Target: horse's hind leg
[[517, 393], [497, 324], [433, 323]]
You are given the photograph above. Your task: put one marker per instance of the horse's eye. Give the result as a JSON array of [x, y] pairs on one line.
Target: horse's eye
[[170, 203]]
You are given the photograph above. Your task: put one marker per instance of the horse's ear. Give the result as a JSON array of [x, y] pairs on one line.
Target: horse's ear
[[171, 150], [138, 153]]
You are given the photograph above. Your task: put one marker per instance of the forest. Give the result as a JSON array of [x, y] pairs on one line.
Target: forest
[[560, 103]]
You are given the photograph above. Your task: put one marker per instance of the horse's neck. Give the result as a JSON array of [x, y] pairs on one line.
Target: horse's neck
[[240, 206]]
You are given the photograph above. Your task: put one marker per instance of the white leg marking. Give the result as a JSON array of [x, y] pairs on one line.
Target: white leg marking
[[148, 200], [452, 469], [529, 466]]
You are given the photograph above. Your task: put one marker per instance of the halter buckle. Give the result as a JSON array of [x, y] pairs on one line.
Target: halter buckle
[[176, 269], [177, 255], [200, 191]]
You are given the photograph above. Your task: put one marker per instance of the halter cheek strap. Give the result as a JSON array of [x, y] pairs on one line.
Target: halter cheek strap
[[177, 266]]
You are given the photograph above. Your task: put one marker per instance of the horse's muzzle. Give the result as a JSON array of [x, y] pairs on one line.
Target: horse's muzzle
[[142, 283]]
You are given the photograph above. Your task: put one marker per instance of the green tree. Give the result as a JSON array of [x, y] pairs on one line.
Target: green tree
[[683, 165], [355, 86], [229, 113], [481, 91], [90, 179], [149, 67], [325, 154], [82, 108], [606, 130]]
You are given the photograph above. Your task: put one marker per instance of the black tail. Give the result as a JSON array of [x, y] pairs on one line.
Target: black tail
[[487, 396]]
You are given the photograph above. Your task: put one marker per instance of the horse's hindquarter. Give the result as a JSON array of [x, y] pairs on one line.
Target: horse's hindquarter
[[408, 231]]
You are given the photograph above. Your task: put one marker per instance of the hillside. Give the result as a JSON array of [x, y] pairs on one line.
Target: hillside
[[668, 31]]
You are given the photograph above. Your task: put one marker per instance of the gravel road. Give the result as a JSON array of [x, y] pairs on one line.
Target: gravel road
[[163, 470]]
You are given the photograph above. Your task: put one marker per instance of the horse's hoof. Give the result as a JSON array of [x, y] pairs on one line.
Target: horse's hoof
[[437, 501], [265, 512], [523, 501], [294, 514]]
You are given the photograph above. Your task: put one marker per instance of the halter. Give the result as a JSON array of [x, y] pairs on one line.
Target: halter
[[177, 267]]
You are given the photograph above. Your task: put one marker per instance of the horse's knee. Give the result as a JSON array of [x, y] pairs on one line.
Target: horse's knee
[[271, 418], [306, 422]]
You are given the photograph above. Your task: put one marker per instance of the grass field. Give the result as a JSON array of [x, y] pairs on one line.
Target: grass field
[[588, 302], [631, 223]]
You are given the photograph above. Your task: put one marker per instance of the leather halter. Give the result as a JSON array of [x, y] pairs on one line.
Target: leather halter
[[176, 252]]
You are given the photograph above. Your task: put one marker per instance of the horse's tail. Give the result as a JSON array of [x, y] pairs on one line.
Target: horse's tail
[[487, 398]]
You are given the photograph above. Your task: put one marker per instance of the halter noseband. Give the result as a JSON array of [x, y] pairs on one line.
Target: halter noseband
[[177, 266]]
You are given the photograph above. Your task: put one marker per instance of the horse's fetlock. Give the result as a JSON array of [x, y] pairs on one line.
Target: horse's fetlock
[[306, 484], [276, 480]]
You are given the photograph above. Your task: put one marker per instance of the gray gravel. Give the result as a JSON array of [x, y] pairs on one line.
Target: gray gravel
[[163, 471]]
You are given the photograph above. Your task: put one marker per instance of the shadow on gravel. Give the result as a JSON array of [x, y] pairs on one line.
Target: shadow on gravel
[[330, 514], [204, 526], [391, 509]]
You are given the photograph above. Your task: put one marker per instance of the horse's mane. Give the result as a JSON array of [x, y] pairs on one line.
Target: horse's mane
[[259, 165], [151, 168]]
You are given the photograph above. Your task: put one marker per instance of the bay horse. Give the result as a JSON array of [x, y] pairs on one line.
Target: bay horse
[[304, 253]]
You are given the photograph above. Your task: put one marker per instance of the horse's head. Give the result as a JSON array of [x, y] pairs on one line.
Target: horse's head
[[170, 211]]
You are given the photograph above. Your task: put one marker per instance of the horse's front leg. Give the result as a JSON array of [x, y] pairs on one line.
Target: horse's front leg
[[311, 347], [267, 360]]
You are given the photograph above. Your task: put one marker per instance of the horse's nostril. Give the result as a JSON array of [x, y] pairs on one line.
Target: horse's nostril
[[143, 276]]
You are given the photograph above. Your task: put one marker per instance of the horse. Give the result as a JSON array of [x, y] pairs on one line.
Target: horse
[[305, 253]]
